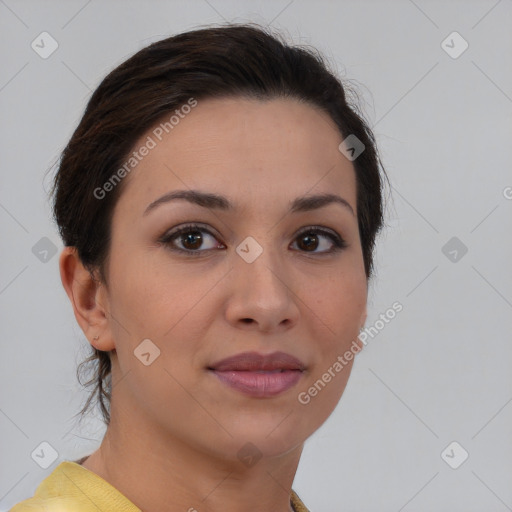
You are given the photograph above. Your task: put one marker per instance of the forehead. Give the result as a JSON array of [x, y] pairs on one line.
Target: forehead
[[251, 150]]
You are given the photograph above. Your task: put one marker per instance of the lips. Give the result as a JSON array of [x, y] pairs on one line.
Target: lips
[[259, 376], [254, 362]]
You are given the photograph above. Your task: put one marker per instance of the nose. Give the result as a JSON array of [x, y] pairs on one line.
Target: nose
[[261, 296]]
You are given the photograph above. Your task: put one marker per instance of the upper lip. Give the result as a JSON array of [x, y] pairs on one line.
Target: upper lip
[[253, 361]]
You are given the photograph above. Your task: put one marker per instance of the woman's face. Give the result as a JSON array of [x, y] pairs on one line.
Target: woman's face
[[282, 289]]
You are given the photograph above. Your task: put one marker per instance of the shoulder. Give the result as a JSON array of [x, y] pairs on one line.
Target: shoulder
[[56, 504], [73, 488]]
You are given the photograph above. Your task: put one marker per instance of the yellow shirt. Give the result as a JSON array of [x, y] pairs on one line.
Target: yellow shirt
[[72, 488]]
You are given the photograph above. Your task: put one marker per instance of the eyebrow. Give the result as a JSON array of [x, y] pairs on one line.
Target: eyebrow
[[214, 201]]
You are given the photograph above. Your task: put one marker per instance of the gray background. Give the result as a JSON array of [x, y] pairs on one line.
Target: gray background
[[439, 372]]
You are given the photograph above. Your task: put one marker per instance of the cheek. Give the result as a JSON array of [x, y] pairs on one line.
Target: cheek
[[341, 302], [163, 305], [149, 294], [339, 313]]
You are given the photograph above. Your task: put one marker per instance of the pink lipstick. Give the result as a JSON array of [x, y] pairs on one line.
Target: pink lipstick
[[259, 375]]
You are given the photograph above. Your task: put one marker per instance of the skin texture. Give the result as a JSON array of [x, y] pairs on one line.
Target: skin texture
[[175, 428]]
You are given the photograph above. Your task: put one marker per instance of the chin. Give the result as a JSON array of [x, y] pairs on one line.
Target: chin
[[272, 435]]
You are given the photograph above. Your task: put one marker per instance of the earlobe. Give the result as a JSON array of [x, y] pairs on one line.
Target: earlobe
[[86, 297]]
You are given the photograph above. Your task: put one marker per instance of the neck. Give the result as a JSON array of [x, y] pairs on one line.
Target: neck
[[160, 471]]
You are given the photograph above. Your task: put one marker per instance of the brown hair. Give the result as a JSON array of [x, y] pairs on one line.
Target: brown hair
[[233, 60]]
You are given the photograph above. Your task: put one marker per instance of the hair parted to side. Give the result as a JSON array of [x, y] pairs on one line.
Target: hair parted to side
[[231, 60]]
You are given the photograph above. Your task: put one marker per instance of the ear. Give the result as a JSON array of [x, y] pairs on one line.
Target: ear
[[364, 316], [89, 299]]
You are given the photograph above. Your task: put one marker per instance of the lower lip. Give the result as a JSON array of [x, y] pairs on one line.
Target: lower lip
[[260, 384]]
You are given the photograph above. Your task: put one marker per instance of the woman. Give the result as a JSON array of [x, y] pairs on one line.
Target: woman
[[219, 203]]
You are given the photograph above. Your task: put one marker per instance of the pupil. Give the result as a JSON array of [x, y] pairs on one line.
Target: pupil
[[189, 239], [311, 240]]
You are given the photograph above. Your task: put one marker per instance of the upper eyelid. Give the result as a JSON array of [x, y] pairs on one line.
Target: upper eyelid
[[188, 226]]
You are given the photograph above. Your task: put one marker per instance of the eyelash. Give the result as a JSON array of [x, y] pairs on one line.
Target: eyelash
[[167, 238]]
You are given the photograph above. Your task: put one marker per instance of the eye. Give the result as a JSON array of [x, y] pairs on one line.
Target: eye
[[313, 235], [191, 238]]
